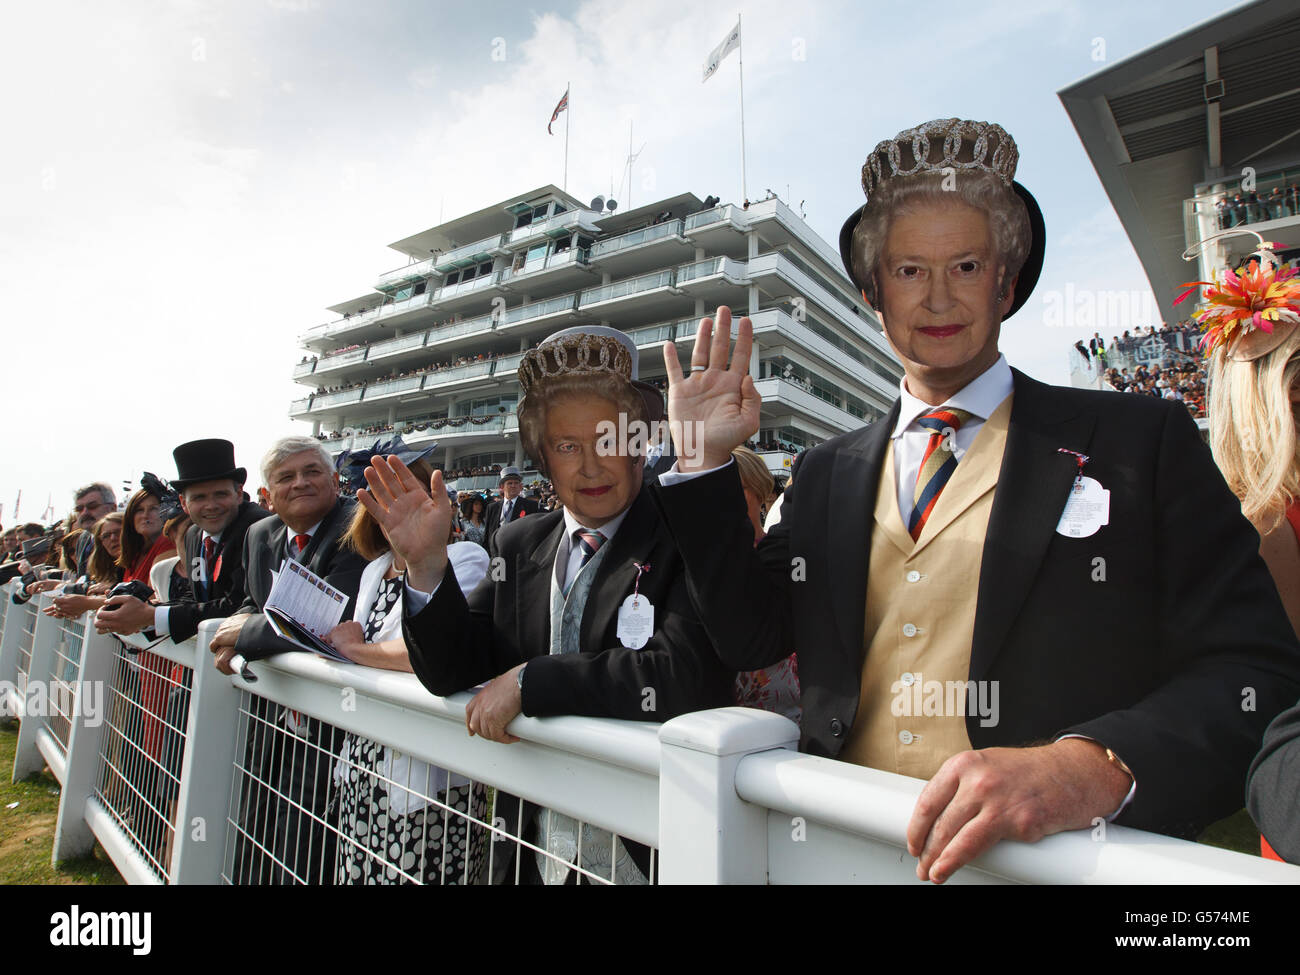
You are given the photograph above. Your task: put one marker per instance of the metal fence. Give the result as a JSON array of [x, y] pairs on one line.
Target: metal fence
[[327, 773]]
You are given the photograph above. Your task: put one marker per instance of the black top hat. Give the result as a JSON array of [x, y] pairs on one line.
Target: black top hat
[[206, 460], [1025, 280]]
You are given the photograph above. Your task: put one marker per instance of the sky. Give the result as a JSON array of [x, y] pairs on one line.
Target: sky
[[187, 185]]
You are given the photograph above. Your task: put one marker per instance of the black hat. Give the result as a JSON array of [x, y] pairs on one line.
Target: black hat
[[206, 460]]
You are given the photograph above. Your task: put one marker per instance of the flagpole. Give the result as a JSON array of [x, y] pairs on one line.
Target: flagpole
[[568, 112], [744, 189]]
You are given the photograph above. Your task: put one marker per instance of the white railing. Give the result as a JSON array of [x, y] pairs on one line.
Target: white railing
[[634, 238], [718, 796], [484, 248], [628, 286], [403, 275]]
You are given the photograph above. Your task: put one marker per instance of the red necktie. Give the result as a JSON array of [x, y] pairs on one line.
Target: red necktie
[[302, 540]]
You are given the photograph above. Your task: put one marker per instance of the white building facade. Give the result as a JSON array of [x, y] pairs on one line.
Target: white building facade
[[432, 351]]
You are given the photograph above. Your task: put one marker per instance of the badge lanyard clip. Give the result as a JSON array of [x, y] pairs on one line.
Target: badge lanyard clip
[[636, 584], [1081, 459]]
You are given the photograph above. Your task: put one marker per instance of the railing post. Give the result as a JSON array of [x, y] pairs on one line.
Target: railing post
[[707, 833], [9, 641], [45, 636], [72, 834], [207, 771]]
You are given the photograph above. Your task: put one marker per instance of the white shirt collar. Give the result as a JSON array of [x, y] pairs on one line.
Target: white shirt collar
[[609, 529], [980, 397]]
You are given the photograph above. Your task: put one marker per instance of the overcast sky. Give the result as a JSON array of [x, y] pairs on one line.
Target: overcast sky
[[185, 186]]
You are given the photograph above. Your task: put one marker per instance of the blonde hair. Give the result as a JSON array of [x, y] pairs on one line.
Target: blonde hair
[[1253, 430], [754, 475]]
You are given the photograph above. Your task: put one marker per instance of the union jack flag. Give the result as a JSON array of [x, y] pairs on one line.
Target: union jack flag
[[560, 107]]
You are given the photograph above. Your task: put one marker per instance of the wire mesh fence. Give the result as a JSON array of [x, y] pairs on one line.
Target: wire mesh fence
[[142, 748], [65, 668], [315, 804]]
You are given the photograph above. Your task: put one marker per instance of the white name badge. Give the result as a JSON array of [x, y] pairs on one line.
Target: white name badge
[[636, 621], [1086, 509]]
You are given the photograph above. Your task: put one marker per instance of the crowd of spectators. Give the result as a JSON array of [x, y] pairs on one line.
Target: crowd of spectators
[[441, 366], [1239, 209], [1179, 375]]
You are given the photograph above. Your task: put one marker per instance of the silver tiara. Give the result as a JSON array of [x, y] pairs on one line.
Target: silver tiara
[[574, 354], [943, 144]]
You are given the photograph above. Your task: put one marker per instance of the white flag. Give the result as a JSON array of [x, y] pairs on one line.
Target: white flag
[[721, 51]]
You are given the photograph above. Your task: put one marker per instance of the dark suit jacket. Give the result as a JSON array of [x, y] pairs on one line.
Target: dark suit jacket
[[1274, 781], [458, 642], [224, 594], [492, 517], [264, 550], [1143, 636]]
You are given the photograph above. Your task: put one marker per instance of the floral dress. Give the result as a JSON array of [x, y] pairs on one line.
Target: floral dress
[[471, 532], [390, 834]]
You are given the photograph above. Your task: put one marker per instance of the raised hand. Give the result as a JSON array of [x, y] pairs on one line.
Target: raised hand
[[716, 407], [416, 521]]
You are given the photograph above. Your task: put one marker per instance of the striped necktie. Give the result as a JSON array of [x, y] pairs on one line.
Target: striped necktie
[[591, 543], [937, 465]]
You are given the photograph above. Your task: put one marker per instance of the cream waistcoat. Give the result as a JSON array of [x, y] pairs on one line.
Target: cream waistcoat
[[920, 617]]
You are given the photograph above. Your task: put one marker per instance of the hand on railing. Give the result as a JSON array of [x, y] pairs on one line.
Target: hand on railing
[[978, 798], [223, 643], [124, 614], [494, 707], [69, 607]]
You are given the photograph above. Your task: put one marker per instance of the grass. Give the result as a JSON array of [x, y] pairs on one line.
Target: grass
[[1238, 833], [27, 830]]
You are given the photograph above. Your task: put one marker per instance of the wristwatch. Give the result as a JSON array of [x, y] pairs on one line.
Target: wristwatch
[[519, 677]]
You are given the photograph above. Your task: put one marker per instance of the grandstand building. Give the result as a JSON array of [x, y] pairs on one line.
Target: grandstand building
[[432, 351], [1200, 134]]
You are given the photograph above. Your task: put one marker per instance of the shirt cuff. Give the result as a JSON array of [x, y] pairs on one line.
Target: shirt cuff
[[416, 600], [673, 476], [1132, 791], [162, 624]]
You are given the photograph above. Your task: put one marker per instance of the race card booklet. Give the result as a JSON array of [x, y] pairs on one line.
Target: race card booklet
[[302, 608]]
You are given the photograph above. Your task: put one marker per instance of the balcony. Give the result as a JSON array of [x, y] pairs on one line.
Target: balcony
[[458, 374], [304, 369], [536, 311], [404, 275], [443, 333], [327, 400], [467, 254], [392, 387], [328, 362], [575, 259], [467, 287], [300, 407], [381, 350], [560, 225], [658, 244]]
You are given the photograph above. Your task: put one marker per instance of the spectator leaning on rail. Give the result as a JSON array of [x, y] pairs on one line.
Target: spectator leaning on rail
[[288, 789], [556, 632], [210, 488], [90, 503], [426, 834], [1132, 711]]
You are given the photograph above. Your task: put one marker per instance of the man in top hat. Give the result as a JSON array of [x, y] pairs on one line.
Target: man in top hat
[[950, 545], [511, 506], [211, 491]]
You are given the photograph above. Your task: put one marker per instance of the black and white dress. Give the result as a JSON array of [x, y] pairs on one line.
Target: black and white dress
[[400, 819]]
